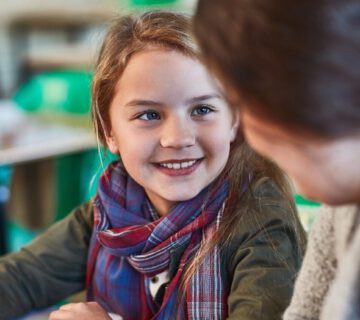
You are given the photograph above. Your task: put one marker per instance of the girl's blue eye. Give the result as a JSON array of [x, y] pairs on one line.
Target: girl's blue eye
[[201, 110], [149, 115]]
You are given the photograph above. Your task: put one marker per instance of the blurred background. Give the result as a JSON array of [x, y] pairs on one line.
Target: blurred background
[[49, 160]]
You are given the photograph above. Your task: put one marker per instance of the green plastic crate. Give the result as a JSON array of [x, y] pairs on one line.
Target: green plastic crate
[[56, 91]]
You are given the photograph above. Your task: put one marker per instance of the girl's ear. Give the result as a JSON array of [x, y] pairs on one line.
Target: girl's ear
[[111, 143], [235, 125]]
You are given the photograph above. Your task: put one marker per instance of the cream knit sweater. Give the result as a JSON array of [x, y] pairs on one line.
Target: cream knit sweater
[[328, 284]]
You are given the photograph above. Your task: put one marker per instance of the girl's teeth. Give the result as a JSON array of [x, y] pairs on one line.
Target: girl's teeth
[[177, 166], [184, 165]]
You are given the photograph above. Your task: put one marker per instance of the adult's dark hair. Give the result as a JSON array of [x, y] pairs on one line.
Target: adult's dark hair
[[296, 63]]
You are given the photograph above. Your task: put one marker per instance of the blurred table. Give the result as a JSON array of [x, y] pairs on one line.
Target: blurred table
[[36, 140], [30, 148]]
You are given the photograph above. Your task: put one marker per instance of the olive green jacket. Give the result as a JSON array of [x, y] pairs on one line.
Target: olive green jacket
[[259, 265]]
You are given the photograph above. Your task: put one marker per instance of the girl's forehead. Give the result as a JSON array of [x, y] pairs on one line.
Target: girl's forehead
[[163, 50], [149, 52], [150, 67]]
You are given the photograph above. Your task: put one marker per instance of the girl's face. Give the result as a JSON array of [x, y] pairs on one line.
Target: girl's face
[[323, 170], [170, 126]]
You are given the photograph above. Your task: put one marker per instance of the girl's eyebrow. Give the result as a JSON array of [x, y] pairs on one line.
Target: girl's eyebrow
[[203, 97], [140, 102]]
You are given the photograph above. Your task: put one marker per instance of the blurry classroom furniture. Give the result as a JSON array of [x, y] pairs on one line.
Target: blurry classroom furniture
[[47, 51], [36, 35], [47, 165]]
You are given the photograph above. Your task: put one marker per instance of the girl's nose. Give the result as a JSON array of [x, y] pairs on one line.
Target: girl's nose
[[178, 134]]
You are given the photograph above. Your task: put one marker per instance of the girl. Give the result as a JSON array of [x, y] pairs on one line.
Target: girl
[[298, 84], [190, 223]]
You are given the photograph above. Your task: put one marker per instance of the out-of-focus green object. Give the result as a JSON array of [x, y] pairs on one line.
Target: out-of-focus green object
[[76, 180], [300, 200], [63, 97], [308, 211], [56, 91], [151, 2], [49, 95], [17, 236]]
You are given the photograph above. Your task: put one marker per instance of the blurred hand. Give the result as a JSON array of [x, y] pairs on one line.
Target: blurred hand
[[80, 311]]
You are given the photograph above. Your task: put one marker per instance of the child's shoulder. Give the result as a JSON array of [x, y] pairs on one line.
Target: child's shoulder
[[267, 190], [266, 207], [268, 221]]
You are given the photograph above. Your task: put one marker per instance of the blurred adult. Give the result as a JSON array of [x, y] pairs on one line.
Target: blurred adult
[[292, 68]]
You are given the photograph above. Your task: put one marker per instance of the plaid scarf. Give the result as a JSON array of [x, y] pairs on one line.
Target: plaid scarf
[[130, 245]]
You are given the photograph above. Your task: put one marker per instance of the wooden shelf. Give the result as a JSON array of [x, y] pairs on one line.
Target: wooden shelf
[[60, 57]]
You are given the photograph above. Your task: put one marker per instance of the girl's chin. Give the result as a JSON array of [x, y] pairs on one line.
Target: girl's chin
[[181, 197]]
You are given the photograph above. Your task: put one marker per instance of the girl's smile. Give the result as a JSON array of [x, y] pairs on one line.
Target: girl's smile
[[178, 167], [170, 126]]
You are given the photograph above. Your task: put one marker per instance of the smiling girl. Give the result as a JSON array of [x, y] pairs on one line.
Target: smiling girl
[[189, 223]]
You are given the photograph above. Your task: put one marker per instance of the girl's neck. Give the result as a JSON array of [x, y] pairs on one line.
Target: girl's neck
[[162, 206]]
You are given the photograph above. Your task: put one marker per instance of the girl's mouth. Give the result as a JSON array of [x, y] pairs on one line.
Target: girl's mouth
[[178, 167]]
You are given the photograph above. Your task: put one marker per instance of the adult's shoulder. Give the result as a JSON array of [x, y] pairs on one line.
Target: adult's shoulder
[[343, 221]]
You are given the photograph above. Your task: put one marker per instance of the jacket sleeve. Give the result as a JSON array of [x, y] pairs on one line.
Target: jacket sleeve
[[264, 266], [51, 268]]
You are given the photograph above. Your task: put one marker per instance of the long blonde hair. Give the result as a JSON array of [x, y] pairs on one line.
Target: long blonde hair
[[131, 34]]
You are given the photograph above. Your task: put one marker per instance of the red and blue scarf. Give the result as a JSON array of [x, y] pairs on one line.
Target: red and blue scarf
[[129, 246]]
